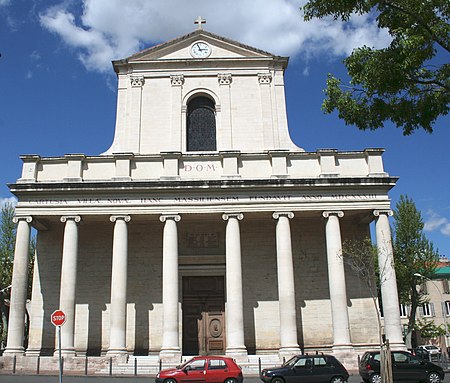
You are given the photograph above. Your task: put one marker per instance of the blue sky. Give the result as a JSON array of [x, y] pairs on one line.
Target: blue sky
[[58, 91]]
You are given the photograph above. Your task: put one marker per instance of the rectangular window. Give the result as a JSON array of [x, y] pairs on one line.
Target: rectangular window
[[403, 311], [447, 308], [427, 310], [445, 286]]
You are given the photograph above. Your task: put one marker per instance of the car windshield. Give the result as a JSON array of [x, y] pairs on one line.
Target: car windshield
[[431, 347], [291, 362]]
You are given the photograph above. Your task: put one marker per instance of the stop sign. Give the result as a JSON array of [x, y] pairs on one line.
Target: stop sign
[[58, 318]]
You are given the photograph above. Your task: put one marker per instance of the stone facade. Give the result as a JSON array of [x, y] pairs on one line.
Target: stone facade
[[119, 234]]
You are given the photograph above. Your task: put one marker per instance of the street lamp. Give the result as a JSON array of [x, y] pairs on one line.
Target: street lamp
[[443, 307]]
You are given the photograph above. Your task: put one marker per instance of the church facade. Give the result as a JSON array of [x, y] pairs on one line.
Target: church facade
[[203, 229]]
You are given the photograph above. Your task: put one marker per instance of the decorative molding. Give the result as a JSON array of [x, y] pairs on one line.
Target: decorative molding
[[165, 217], [238, 216], [177, 80], [26, 218], [224, 78], [338, 213], [278, 214], [137, 81], [75, 218], [264, 78], [125, 218], [388, 212]]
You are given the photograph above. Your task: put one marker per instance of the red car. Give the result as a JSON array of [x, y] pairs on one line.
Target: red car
[[208, 369]]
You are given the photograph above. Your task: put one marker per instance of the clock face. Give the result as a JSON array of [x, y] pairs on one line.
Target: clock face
[[200, 50]]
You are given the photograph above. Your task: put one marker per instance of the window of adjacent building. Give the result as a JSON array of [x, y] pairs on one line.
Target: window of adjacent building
[[403, 310], [445, 286], [447, 308], [201, 125], [427, 310], [424, 288]]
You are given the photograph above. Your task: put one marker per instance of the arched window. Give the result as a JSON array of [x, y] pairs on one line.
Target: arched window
[[201, 124]]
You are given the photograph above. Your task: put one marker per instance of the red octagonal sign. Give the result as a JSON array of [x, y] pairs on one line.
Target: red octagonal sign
[[58, 318]]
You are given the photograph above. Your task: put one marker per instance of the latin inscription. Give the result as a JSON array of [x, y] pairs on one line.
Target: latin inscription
[[205, 199]]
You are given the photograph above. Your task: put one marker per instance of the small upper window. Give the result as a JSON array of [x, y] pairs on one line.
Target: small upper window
[[201, 125]]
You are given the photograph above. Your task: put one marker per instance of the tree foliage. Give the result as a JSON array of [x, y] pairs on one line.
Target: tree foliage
[[408, 82], [415, 257]]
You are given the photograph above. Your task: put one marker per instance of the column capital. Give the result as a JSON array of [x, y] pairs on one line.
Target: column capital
[[388, 212], [75, 218], [224, 78], [176, 79], [337, 213], [125, 218], [264, 78], [137, 81], [278, 214], [165, 217], [238, 216], [26, 218]]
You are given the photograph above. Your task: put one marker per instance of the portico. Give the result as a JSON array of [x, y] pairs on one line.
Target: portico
[[158, 249]]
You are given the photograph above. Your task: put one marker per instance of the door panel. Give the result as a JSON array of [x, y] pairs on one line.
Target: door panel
[[203, 315]]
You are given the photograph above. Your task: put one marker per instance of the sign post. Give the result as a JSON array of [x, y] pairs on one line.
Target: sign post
[[58, 318]]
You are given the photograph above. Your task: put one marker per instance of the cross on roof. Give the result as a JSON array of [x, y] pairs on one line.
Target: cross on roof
[[199, 21]]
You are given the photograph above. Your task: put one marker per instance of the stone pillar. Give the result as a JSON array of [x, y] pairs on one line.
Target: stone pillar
[[16, 326], [286, 287], [234, 307], [336, 280], [170, 350], [176, 126], [389, 294], [67, 292], [118, 319]]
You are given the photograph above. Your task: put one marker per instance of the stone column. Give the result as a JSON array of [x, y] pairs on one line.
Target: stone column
[[336, 280], [170, 350], [234, 307], [16, 326], [67, 292], [389, 294], [286, 286], [118, 319]]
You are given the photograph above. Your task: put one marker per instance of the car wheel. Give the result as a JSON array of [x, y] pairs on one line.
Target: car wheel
[[375, 378], [433, 377], [277, 380], [170, 380], [230, 380], [337, 379]]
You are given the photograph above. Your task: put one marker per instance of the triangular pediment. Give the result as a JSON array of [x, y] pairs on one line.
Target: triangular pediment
[[180, 49]]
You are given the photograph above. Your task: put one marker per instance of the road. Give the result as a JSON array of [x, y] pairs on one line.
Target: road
[[105, 379]]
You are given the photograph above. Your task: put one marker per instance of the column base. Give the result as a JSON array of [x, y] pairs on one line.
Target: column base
[[238, 353], [66, 353], [170, 355], [116, 352], [288, 352], [398, 346], [347, 355], [14, 351]]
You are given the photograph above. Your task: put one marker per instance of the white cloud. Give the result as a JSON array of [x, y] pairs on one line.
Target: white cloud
[[11, 200], [436, 222], [4, 2], [113, 29]]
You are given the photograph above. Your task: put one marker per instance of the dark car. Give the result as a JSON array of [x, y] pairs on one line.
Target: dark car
[[307, 368], [208, 369], [405, 368]]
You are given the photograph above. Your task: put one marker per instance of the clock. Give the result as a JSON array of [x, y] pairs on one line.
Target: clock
[[200, 50]]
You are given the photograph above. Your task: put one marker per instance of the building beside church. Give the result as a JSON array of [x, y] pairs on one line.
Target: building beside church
[[203, 229]]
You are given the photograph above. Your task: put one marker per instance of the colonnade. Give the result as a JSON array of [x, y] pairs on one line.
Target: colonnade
[[234, 285]]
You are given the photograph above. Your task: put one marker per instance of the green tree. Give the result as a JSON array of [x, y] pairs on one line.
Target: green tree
[[407, 82], [7, 245], [415, 258], [362, 257]]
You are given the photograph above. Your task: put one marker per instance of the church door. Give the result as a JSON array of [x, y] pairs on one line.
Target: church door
[[203, 315]]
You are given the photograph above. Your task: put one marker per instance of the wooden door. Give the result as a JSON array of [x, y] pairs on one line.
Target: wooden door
[[203, 316]]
